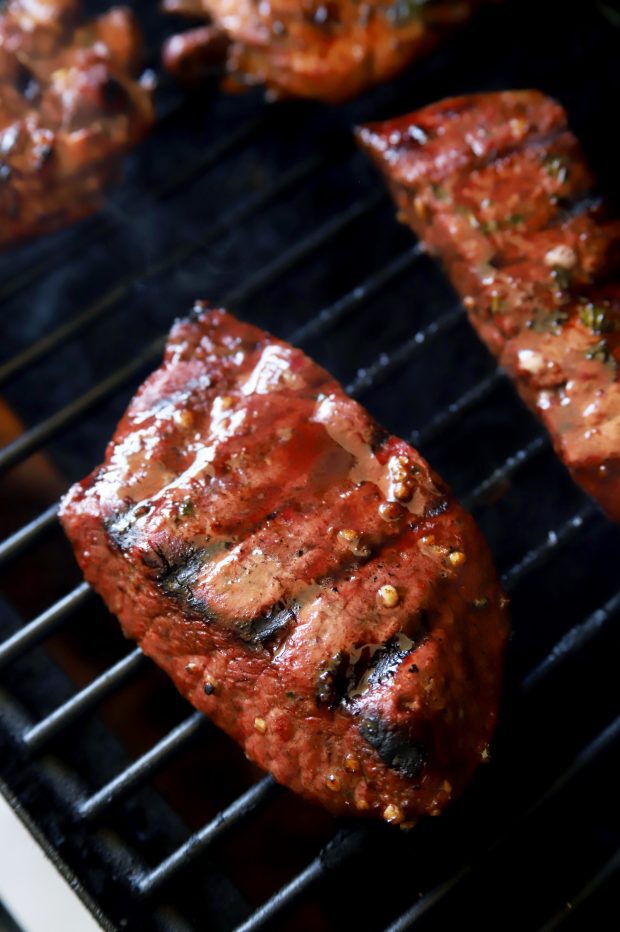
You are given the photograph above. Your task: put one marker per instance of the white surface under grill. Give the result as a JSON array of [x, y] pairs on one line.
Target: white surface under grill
[[31, 888]]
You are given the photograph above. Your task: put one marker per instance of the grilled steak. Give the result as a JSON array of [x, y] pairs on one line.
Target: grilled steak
[[498, 187], [69, 107], [303, 577], [329, 51]]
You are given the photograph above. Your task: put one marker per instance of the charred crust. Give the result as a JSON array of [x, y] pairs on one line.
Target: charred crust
[[437, 509], [386, 662], [342, 679], [394, 747], [267, 629], [114, 95], [27, 84], [176, 579], [121, 528], [378, 437], [333, 682]]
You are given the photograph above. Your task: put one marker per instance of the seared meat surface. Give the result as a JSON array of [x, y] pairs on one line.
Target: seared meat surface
[[306, 48], [498, 187], [69, 107], [304, 578]]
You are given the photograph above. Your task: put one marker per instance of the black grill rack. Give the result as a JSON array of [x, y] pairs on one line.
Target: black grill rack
[[270, 210]]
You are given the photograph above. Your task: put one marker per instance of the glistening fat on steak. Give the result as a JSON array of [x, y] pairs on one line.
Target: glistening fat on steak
[[303, 577], [498, 187]]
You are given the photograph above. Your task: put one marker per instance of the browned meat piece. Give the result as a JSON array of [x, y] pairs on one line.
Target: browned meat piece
[[308, 48], [69, 108], [498, 187], [304, 577]]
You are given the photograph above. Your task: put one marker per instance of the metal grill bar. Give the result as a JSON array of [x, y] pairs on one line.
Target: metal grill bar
[[83, 701], [344, 844], [34, 438], [302, 250], [103, 226], [242, 807], [42, 347], [43, 624], [333, 314], [389, 363], [574, 640], [454, 411], [508, 468], [539, 555], [599, 880], [585, 758], [28, 535], [134, 775]]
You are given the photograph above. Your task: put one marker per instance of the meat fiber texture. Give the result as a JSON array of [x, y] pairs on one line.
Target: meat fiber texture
[[326, 51], [498, 187], [70, 106], [305, 579]]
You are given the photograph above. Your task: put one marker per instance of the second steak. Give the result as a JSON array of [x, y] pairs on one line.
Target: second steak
[[498, 187]]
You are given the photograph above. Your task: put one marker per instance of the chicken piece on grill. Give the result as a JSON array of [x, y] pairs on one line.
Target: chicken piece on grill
[[499, 188], [70, 106], [304, 577], [324, 49]]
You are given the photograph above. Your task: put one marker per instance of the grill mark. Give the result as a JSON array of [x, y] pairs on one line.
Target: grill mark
[[476, 163], [394, 746], [176, 571], [176, 580], [270, 628], [348, 676], [176, 576]]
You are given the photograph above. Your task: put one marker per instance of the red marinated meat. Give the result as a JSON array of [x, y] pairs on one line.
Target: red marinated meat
[[327, 51], [305, 578], [498, 187], [70, 107]]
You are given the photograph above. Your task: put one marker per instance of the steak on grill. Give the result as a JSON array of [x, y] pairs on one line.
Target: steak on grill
[[328, 51], [498, 187], [69, 108], [304, 577]]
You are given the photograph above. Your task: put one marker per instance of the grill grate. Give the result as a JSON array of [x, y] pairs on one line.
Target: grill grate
[[293, 212]]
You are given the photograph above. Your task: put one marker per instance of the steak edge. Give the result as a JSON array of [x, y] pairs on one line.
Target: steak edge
[[304, 577]]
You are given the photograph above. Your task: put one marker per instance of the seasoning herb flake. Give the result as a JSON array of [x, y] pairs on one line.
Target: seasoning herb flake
[[600, 352], [595, 318], [561, 277]]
